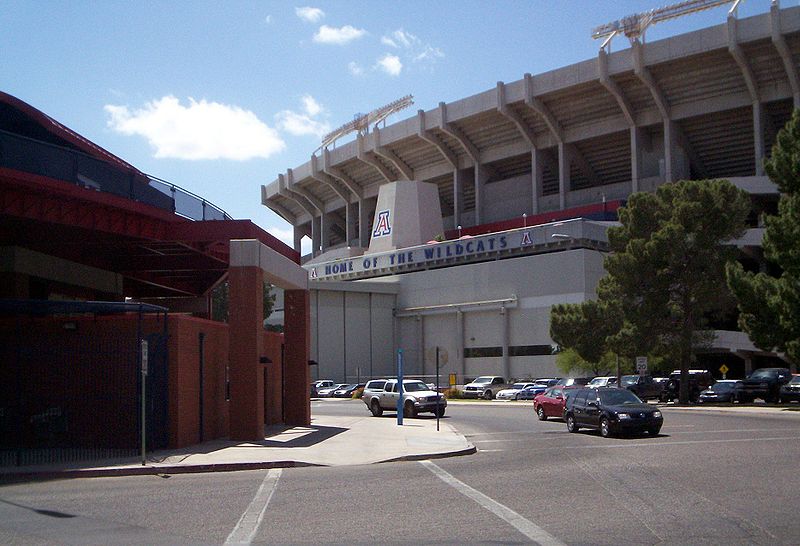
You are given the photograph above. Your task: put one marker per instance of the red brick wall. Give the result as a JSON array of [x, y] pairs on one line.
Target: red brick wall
[[101, 399]]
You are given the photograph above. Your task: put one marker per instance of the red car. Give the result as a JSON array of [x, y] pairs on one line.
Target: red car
[[551, 402]]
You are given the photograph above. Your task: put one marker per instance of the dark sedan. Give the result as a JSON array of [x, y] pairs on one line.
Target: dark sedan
[[611, 411], [726, 390], [790, 392], [346, 391]]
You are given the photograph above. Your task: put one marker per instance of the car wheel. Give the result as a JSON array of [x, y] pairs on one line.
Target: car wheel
[[605, 430], [440, 412], [572, 426], [376, 409], [541, 414], [488, 395], [409, 410], [653, 431]]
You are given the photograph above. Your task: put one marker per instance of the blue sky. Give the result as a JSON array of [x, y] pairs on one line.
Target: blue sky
[[219, 97]]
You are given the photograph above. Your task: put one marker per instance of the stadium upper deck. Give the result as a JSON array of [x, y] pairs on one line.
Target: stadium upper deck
[[705, 104]]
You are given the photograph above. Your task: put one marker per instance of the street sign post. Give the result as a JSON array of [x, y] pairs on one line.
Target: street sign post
[[400, 386], [724, 371], [641, 365]]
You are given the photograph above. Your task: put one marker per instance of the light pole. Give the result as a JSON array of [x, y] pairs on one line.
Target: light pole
[[525, 219]]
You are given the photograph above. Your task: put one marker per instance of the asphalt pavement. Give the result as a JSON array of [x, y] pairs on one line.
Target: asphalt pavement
[[328, 441]]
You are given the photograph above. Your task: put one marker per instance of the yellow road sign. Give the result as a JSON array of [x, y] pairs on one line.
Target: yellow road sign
[[723, 369]]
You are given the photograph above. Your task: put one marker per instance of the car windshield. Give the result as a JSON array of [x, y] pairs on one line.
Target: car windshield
[[761, 374], [598, 381], [721, 387], [616, 397], [795, 380], [541, 383], [415, 386], [629, 379], [482, 380], [518, 386]]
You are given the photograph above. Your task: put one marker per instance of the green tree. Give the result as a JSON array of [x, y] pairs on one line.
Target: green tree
[[666, 271], [570, 362], [666, 274], [769, 307], [584, 328]]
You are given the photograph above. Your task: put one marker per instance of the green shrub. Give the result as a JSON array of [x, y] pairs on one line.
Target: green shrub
[[453, 393]]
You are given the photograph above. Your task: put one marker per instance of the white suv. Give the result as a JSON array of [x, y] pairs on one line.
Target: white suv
[[383, 394]]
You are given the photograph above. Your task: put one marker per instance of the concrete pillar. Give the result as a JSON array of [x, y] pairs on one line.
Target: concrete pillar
[[316, 224], [637, 136], [297, 339], [459, 179], [350, 222], [537, 179], [246, 329], [479, 181], [325, 231], [298, 238], [563, 175], [363, 224], [421, 343], [670, 153], [758, 137]]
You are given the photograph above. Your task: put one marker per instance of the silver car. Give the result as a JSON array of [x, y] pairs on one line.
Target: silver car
[[383, 394]]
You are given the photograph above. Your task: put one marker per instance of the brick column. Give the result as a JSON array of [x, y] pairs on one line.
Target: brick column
[[297, 339], [246, 334]]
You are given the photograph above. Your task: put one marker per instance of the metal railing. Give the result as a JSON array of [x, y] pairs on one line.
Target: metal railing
[[45, 159]]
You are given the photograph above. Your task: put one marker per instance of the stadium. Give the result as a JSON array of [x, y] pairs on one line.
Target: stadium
[[459, 227]]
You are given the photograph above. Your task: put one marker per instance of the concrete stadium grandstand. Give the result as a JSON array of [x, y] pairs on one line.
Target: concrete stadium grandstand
[[460, 226]]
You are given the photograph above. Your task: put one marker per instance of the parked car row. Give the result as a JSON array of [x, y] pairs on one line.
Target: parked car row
[[325, 388]]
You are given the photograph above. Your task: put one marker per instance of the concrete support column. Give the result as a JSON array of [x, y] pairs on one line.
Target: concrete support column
[[246, 331], [363, 223], [459, 360], [637, 136], [459, 179], [670, 153], [315, 235], [421, 343], [325, 231], [758, 137], [480, 181], [505, 334], [537, 179], [350, 222], [297, 339], [298, 237], [563, 175]]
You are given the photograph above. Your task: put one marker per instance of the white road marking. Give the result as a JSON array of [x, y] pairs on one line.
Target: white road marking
[[250, 521], [524, 526]]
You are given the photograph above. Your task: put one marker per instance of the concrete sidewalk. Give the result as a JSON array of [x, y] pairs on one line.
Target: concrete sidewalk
[[329, 441]]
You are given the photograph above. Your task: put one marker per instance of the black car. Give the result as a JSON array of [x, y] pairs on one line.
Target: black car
[[699, 380], [611, 410]]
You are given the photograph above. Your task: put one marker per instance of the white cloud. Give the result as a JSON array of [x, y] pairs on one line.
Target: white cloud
[[338, 36], [304, 122], [412, 47], [429, 54], [268, 19], [355, 68], [390, 64], [200, 130], [310, 15]]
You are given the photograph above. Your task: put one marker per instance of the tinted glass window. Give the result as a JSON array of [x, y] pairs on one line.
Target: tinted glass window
[[580, 398]]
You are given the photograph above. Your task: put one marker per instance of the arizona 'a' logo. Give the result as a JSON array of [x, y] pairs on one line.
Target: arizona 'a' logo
[[382, 225]]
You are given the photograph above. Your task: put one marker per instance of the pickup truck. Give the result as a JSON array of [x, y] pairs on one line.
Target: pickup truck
[[485, 386], [642, 386], [382, 395], [764, 383]]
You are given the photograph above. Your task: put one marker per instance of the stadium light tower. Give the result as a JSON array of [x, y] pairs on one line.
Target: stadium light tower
[[362, 122], [634, 26]]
